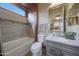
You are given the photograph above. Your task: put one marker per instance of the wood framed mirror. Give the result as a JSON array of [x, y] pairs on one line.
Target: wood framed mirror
[[56, 16]]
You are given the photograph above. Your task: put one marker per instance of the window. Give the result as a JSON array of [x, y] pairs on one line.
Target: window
[[12, 8]]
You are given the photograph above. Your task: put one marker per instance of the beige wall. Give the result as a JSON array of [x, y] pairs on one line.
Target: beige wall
[[43, 13], [43, 10]]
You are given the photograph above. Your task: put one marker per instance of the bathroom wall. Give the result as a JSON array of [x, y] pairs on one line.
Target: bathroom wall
[[14, 26], [74, 28], [16, 33], [12, 30], [43, 11]]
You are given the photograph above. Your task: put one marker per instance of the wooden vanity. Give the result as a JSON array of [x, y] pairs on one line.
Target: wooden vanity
[[61, 47], [68, 15]]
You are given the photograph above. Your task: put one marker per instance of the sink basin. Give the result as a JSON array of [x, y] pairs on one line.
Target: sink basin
[[63, 40]]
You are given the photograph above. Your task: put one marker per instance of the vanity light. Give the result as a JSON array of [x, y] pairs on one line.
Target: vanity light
[[57, 17]]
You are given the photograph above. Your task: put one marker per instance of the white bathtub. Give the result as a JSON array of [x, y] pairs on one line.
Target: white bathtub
[[18, 47]]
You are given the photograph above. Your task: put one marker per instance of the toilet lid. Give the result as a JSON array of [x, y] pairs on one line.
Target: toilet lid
[[36, 45]]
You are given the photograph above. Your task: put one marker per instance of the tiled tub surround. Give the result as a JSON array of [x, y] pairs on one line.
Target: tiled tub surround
[[18, 47], [11, 30], [16, 37]]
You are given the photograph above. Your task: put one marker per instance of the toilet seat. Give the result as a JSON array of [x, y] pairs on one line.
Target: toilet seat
[[36, 46]]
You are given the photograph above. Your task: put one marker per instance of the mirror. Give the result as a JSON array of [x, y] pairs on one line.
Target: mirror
[[56, 18], [73, 20], [73, 17]]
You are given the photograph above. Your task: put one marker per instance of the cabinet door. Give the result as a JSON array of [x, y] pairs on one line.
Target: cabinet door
[[67, 54], [54, 51]]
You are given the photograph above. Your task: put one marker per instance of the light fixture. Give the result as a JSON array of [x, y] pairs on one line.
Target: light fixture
[[57, 17]]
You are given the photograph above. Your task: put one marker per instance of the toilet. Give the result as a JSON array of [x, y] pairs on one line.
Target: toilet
[[36, 47]]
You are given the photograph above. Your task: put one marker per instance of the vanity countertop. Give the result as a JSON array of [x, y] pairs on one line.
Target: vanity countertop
[[63, 40]]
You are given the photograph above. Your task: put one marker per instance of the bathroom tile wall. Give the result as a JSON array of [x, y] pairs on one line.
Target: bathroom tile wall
[[11, 30]]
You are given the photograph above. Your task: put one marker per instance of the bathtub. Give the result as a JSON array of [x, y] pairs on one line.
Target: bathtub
[[18, 47]]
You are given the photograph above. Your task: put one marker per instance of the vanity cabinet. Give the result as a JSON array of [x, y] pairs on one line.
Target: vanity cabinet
[[67, 54], [60, 49], [53, 51]]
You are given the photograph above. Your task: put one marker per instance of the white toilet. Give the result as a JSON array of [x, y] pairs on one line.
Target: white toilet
[[36, 47]]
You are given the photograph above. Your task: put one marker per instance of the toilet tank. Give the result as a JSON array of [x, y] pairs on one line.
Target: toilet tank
[[41, 38]]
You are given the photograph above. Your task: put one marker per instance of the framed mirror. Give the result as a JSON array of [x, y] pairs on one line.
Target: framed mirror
[[56, 18], [73, 20], [73, 17]]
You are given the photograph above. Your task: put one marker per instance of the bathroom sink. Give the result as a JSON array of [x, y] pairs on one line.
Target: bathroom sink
[[63, 40]]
